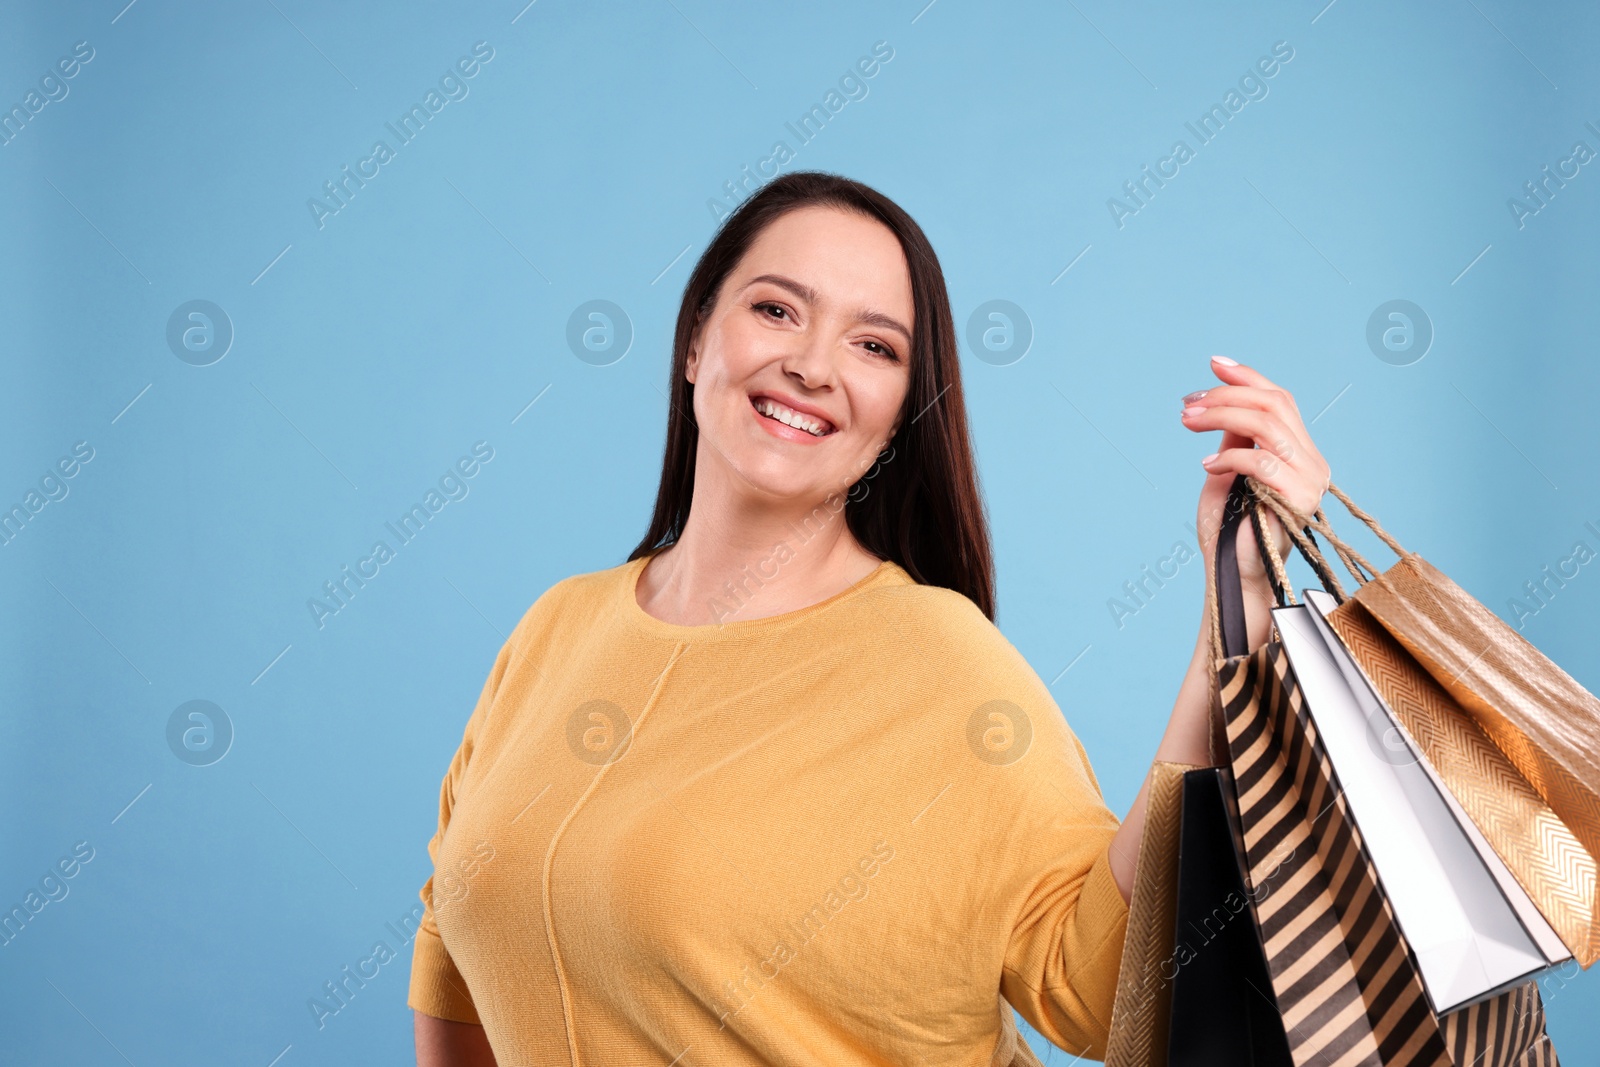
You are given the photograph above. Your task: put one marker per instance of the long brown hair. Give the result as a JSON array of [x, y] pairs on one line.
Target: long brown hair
[[922, 509]]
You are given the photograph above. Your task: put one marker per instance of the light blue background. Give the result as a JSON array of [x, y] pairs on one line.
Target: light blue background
[[429, 312]]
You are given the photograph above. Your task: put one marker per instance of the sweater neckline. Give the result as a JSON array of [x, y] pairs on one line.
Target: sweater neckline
[[886, 572]]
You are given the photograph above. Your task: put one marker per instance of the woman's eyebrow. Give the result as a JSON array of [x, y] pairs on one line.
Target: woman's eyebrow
[[805, 292]]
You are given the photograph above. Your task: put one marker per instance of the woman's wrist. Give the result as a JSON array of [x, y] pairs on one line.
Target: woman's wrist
[[1255, 590]]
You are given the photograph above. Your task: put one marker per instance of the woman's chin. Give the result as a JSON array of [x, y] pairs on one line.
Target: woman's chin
[[788, 482]]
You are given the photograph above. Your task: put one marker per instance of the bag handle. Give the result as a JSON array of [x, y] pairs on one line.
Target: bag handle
[[1226, 592], [1276, 575], [1229, 636], [1293, 520]]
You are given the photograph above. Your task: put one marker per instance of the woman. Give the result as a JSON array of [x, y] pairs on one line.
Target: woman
[[776, 790]]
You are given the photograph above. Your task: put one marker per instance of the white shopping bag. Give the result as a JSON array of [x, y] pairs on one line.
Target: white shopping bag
[[1471, 927]]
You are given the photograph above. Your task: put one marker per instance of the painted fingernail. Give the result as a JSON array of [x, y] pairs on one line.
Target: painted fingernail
[[1225, 361], [1209, 460], [1190, 398], [1193, 409]]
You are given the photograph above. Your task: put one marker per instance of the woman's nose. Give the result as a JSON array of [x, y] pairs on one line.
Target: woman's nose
[[811, 359]]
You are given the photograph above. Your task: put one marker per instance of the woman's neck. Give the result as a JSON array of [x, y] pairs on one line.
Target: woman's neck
[[738, 560]]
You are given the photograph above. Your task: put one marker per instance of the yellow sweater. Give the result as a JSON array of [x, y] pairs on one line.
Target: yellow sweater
[[830, 837]]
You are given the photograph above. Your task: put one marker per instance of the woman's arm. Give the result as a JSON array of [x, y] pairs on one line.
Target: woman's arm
[[1262, 436], [1187, 737], [447, 1043]]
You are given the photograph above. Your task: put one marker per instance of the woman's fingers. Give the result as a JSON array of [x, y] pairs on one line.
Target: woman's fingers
[[1302, 487], [1272, 402], [1263, 435], [1241, 374], [1263, 428], [1257, 392], [1261, 465]]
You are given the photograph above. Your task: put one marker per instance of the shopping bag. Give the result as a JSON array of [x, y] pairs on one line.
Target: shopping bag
[[1222, 1011], [1141, 1011], [1515, 739], [1345, 984]]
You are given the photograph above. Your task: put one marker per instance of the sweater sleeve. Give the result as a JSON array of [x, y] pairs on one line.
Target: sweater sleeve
[[437, 987], [1065, 947]]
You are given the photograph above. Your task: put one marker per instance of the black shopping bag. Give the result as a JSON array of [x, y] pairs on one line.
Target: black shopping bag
[[1223, 1011]]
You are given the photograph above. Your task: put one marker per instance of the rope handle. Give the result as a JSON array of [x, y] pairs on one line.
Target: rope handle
[[1270, 552], [1299, 526], [1308, 548], [1295, 520]]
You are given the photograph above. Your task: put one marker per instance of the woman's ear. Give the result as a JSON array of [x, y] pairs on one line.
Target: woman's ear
[[691, 365]]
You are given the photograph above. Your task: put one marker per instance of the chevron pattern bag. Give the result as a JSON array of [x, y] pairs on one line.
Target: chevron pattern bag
[[1343, 980], [1141, 1012]]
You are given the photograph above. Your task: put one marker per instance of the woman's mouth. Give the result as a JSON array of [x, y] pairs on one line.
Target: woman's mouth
[[770, 411]]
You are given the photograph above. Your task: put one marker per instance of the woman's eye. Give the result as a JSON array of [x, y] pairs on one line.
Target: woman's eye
[[778, 313]]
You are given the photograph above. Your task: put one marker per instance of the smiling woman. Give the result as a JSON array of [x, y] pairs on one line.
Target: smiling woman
[[672, 796], [803, 310]]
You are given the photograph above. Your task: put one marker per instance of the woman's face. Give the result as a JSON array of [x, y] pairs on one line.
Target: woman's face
[[801, 367]]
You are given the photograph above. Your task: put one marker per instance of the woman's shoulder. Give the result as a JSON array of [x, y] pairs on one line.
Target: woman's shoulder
[[941, 629], [934, 613], [588, 585], [573, 598]]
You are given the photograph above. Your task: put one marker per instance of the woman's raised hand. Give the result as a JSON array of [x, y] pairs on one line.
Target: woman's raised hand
[[1264, 437]]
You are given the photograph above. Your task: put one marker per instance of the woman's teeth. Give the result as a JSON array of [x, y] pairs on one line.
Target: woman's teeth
[[789, 417]]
